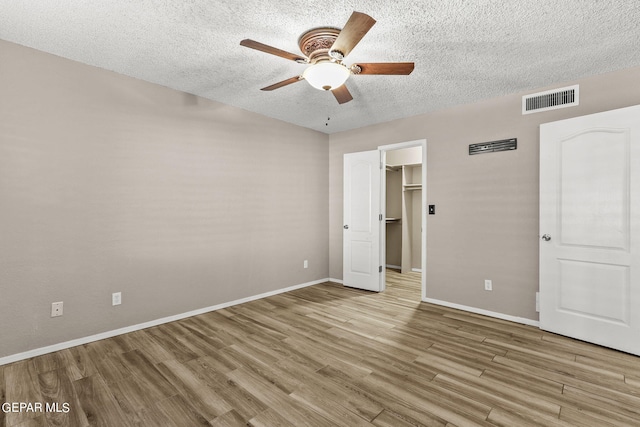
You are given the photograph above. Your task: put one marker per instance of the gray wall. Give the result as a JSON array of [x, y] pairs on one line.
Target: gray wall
[[110, 184], [486, 222]]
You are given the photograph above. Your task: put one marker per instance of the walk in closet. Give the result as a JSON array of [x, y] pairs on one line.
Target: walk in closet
[[403, 209]]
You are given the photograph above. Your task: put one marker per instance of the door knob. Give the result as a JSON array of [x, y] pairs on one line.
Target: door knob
[[346, 227], [546, 237]]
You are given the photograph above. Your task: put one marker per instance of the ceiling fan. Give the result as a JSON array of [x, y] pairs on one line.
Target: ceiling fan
[[325, 48]]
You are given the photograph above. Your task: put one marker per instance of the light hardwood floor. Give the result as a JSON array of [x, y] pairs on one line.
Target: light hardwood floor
[[331, 356]]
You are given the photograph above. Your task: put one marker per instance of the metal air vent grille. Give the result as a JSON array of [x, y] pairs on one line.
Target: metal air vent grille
[[550, 100], [493, 146]]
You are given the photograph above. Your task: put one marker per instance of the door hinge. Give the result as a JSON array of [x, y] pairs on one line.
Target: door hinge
[[380, 269], [380, 217]]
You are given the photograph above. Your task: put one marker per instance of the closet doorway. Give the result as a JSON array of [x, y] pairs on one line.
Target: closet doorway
[[403, 236]]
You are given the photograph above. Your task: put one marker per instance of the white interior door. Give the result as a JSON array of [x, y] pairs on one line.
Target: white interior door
[[361, 228], [590, 228]]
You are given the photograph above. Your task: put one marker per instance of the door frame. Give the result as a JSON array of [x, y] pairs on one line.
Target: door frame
[[383, 207]]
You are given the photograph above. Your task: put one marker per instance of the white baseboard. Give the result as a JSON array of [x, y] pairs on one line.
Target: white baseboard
[[475, 310], [340, 281], [416, 270], [85, 340]]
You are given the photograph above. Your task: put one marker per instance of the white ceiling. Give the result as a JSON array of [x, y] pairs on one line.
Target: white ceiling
[[464, 50]]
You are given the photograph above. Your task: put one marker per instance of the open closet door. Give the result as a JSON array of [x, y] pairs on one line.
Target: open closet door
[[361, 231]]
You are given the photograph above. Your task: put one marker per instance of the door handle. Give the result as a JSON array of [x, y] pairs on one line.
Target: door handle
[[346, 227], [546, 237]]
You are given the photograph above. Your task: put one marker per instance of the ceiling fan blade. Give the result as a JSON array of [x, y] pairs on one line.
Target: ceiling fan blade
[[342, 94], [389, 68], [272, 50], [283, 83], [354, 30]]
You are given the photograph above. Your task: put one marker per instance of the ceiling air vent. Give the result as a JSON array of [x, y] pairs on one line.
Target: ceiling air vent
[[550, 100], [493, 146]]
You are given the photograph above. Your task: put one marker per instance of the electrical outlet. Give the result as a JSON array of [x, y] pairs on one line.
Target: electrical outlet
[[488, 286], [306, 264], [56, 309], [116, 298]]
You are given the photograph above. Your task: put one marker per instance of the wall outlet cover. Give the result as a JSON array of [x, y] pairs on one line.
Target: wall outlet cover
[[116, 298], [56, 309]]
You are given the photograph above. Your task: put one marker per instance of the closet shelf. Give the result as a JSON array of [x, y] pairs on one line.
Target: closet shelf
[[412, 186], [392, 220]]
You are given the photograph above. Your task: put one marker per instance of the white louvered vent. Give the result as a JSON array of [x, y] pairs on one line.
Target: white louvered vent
[[551, 99]]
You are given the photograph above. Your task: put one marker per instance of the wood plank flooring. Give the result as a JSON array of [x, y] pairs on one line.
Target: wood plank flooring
[[330, 356]]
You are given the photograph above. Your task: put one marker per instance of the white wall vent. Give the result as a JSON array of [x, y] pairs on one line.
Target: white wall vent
[[551, 99]]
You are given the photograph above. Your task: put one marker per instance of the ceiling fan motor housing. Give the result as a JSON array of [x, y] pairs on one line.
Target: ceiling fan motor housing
[[316, 43]]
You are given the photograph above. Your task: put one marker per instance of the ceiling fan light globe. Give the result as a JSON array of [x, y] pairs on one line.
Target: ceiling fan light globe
[[326, 75]]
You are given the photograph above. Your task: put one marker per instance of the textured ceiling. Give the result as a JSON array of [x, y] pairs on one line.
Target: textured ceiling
[[464, 50]]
